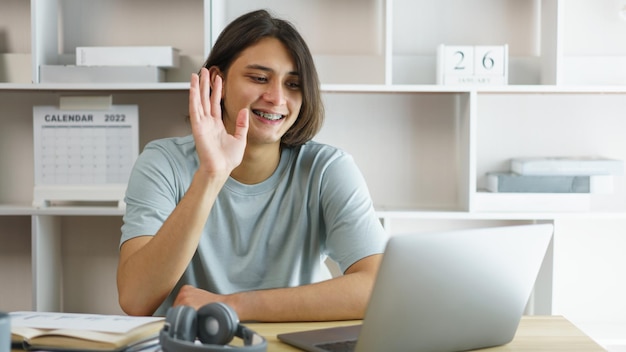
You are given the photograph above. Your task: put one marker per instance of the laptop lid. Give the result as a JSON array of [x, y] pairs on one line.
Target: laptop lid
[[447, 291]]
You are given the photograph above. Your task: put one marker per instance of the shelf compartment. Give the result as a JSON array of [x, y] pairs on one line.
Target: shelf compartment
[[15, 259], [482, 22], [15, 68], [18, 163], [593, 47], [593, 70], [117, 23], [510, 125], [412, 155], [15, 42], [357, 52]]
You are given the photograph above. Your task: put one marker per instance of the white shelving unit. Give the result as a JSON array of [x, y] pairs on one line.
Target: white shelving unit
[[423, 148]]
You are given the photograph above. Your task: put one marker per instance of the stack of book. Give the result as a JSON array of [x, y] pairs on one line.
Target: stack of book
[[51, 331], [114, 64], [557, 175]]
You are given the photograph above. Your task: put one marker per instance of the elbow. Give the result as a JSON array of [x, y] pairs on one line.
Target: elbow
[[134, 304], [132, 299], [133, 307]]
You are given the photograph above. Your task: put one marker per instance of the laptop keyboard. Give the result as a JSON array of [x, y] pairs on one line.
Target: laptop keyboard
[[340, 346]]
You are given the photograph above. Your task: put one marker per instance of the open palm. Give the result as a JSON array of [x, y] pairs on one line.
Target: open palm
[[218, 151]]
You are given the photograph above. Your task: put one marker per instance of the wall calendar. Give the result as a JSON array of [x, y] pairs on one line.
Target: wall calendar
[[83, 155]]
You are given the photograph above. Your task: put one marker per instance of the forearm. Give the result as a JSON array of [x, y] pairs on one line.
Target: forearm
[[335, 299], [340, 298], [150, 268]]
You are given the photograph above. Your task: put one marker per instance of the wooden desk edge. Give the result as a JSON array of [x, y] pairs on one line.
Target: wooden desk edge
[[536, 333]]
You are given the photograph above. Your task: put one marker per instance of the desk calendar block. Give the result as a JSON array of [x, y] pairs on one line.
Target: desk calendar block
[[84, 155], [472, 65]]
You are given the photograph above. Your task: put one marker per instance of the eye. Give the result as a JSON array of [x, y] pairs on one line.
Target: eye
[[293, 85], [258, 79]]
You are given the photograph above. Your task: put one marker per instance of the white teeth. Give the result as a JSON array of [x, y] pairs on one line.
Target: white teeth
[[268, 116]]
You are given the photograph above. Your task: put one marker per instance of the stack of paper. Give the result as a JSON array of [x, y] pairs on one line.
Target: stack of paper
[[114, 64], [83, 332]]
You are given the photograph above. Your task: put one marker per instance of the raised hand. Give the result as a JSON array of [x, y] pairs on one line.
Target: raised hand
[[218, 151]]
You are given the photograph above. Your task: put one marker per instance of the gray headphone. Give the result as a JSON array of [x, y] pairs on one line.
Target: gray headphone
[[215, 325]]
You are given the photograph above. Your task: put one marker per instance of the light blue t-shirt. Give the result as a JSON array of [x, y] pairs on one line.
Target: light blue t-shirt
[[273, 234]]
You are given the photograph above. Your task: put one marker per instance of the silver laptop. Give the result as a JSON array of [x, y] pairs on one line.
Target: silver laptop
[[447, 291]]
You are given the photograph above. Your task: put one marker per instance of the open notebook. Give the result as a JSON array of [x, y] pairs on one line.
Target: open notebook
[[447, 291]]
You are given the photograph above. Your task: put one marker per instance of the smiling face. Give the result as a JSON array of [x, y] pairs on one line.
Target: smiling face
[[263, 79]]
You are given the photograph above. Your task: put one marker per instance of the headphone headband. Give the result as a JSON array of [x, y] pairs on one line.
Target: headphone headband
[[253, 342]]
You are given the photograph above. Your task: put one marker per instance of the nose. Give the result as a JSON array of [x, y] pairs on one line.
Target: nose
[[275, 93]]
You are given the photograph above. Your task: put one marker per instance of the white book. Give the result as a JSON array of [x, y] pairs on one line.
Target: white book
[[573, 166], [159, 56], [516, 183], [100, 74]]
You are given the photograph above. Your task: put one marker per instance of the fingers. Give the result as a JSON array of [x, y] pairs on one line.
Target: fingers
[[194, 97], [216, 97], [205, 91], [242, 124], [202, 101]]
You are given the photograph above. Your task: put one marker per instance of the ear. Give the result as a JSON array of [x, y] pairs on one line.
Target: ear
[[214, 71]]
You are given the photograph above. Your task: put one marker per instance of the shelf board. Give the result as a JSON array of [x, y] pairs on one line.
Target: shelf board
[[28, 210], [512, 89], [330, 88], [166, 86], [394, 88], [493, 215], [78, 210], [15, 210], [555, 89]]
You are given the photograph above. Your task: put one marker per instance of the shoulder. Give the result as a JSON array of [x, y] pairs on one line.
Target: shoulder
[[326, 162], [180, 145], [168, 158], [321, 152], [172, 150]]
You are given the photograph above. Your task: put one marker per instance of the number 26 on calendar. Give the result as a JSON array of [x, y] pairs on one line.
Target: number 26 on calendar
[[465, 64]]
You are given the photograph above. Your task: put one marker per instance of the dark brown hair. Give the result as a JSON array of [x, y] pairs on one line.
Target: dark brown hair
[[247, 30]]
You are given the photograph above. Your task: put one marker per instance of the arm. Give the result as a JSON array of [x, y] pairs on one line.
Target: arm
[[150, 266], [355, 237], [341, 298]]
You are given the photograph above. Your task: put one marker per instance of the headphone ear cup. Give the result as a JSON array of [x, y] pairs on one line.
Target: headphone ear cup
[[217, 323], [182, 323]]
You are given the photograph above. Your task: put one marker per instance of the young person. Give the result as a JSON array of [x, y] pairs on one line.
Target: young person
[[245, 210]]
